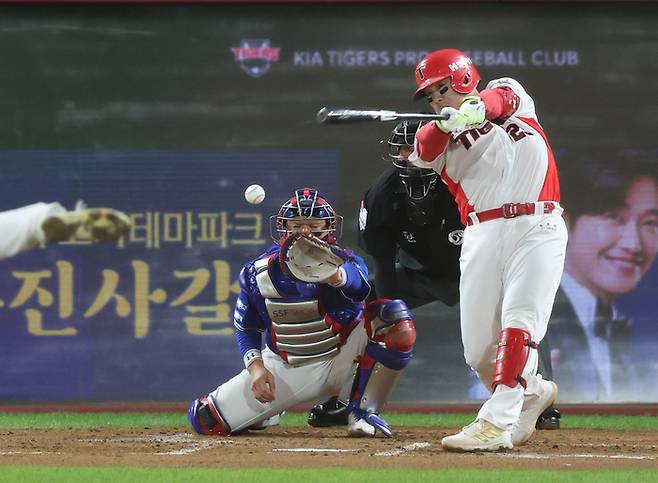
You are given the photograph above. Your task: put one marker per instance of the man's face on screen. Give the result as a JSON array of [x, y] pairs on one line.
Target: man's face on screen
[[609, 253]]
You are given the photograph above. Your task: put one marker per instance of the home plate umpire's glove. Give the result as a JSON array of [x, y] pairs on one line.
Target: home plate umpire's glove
[[307, 258]]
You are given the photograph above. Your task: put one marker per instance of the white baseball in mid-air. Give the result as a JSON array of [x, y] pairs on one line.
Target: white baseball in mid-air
[[254, 194]]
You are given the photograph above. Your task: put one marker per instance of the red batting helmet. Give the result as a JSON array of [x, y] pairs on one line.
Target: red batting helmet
[[440, 64]]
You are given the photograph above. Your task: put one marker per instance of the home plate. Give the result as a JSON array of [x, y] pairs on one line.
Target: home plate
[[314, 450], [404, 449]]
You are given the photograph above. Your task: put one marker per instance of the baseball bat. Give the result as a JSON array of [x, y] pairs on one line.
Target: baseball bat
[[339, 116]]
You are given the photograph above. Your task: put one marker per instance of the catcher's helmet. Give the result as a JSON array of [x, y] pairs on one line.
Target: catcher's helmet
[[306, 203], [444, 63], [417, 181]]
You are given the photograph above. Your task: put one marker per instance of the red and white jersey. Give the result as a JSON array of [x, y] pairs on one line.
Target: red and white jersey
[[504, 161]]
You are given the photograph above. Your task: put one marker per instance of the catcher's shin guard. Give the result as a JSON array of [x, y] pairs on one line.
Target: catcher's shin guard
[[511, 357], [392, 336], [206, 419]]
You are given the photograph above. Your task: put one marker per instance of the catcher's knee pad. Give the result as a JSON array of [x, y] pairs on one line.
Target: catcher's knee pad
[[390, 322], [511, 357], [206, 419], [392, 336]]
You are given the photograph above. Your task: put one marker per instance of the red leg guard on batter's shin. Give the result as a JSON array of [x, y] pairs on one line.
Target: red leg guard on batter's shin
[[511, 357]]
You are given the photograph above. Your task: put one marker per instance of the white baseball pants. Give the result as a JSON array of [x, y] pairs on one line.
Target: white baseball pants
[[294, 385], [510, 273]]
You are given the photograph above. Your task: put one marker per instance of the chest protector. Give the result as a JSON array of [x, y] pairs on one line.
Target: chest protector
[[299, 331]]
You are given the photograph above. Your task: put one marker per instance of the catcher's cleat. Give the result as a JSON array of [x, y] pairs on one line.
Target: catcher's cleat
[[549, 419], [102, 224], [332, 412], [480, 435], [359, 428], [365, 422], [533, 406]]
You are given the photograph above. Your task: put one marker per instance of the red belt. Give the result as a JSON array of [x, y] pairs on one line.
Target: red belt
[[511, 210]]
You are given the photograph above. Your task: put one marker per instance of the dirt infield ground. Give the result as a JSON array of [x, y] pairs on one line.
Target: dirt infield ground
[[309, 447]]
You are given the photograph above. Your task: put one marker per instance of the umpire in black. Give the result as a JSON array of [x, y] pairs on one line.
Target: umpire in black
[[409, 224]]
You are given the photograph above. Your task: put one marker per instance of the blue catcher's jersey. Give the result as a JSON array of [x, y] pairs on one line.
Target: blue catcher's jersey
[[301, 321]]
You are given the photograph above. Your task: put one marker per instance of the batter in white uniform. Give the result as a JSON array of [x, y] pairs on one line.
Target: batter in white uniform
[[495, 158]]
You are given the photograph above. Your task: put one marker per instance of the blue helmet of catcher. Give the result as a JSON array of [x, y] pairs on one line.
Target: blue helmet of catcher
[[307, 205]]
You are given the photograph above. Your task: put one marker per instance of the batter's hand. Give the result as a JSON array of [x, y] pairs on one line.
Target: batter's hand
[[262, 382], [471, 113]]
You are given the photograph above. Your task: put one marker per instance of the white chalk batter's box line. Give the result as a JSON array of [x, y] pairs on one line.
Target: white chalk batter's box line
[[195, 448], [314, 450], [165, 438], [394, 452], [614, 445], [196, 444], [13, 453], [538, 456]]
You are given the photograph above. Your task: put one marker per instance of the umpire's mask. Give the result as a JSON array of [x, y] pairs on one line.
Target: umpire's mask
[[417, 181]]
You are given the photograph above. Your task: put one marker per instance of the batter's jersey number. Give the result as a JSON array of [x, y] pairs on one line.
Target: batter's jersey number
[[467, 138], [516, 133]]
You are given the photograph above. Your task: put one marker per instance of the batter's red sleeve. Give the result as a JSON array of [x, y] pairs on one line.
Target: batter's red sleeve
[[500, 102], [431, 142]]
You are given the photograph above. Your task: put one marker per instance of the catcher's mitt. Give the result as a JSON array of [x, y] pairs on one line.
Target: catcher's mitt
[[307, 258]]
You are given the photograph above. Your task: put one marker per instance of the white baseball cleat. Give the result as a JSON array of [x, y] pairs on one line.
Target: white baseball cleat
[[480, 435], [102, 224], [533, 406], [359, 428]]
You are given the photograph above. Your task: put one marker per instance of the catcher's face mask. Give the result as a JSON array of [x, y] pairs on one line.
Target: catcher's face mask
[[306, 226], [306, 210]]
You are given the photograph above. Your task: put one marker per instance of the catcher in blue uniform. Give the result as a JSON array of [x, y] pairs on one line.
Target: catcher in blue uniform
[[307, 296]]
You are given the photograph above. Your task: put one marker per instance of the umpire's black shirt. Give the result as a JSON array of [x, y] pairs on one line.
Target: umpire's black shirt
[[390, 230]]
